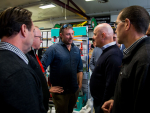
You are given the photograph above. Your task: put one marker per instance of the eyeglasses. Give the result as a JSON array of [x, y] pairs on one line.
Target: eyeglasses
[[116, 23], [39, 37]]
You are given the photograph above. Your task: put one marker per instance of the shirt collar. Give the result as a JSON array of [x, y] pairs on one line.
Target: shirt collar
[[120, 46], [14, 49], [108, 45], [127, 50]]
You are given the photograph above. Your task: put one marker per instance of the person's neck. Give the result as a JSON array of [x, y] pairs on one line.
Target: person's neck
[[132, 38], [14, 40], [69, 47]]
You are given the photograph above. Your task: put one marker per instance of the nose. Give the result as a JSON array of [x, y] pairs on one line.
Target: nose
[[71, 35], [93, 37]]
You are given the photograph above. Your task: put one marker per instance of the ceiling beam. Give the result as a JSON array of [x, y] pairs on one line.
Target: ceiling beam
[[81, 13], [69, 18], [76, 6]]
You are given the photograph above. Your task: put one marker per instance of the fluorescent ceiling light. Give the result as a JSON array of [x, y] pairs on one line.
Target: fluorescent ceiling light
[[89, 0], [47, 6]]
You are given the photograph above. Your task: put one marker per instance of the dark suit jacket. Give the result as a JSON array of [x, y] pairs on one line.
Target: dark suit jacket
[[132, 88], [20, 88], [36, 67]]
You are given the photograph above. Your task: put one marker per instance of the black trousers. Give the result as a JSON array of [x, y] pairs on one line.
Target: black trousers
[[97, 107]]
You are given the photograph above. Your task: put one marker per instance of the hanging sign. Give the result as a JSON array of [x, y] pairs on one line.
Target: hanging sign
[[93, 22], [102, 19], [57, 26]]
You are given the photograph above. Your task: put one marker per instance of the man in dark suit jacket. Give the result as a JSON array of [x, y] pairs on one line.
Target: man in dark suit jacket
[[20, 87], [133, 83], [105, 74], [34, 63]]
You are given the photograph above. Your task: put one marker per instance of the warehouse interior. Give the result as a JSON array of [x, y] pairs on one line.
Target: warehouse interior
[[80, 14], [71, 10]]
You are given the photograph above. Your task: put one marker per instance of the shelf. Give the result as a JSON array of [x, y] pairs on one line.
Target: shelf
[[90, 28], [46, 38]]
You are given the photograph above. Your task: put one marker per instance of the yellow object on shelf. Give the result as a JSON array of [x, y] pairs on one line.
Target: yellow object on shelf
[[77, 40]]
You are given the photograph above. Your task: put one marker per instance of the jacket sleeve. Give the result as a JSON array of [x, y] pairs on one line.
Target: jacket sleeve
[[113, 64], [141, 89], [92, 63]]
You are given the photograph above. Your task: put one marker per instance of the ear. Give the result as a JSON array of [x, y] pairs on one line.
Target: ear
[[24, 30], [103, 35], [127, 24], [60, 34]]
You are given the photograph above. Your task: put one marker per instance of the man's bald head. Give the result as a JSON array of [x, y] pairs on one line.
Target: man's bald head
[[103, 34], [107, 29]]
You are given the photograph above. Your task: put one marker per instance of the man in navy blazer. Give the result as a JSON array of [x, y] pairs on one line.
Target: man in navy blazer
[[34, 63]]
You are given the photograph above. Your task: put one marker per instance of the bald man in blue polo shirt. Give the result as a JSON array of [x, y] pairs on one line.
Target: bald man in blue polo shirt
[[66, 66]]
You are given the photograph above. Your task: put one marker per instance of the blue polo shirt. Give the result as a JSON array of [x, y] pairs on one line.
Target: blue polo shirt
[[64, 66]]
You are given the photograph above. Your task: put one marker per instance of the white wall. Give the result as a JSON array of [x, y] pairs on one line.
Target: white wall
[[51, 23], [113, 18], [44, 24]]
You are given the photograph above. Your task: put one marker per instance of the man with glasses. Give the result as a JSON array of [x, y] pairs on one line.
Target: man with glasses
[[32, 57], [36, 65], [131, 92], [65, 70]]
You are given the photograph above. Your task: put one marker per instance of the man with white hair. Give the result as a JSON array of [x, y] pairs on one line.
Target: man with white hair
[[105, 74], [36, 65]]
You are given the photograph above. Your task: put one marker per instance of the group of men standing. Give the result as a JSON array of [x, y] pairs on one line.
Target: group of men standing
[[119, 85], [119, 82], [22, 82]]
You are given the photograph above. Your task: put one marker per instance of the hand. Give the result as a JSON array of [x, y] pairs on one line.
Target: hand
[[56, 89], [107, 106], [80, 86]]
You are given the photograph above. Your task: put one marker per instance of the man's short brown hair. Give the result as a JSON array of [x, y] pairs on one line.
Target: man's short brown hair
[[138, 17], [12, 19], [65, 26]]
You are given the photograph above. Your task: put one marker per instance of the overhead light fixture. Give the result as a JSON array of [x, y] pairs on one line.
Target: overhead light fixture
[[47, 6], [103, 1], [89, 0]]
